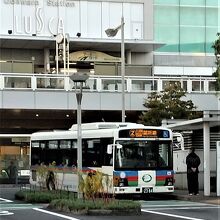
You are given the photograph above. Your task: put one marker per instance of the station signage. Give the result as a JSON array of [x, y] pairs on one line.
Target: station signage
[[65, 3], [39, 22]]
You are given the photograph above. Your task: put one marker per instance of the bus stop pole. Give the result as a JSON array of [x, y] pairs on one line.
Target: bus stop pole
[[218, 168]]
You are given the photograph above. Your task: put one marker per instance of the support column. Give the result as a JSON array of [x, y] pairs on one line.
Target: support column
[[46, 60], [128, 56], [218, 168], [206, 143]]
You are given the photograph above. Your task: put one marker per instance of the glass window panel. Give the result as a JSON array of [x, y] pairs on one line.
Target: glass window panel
[[17, 82], [91, 84], [112, 85], [184, 85], [210, 38], [212, 86], [166, 2], [74, 144], [137, 85], [167, 83], [35, 144], [166, 15], [147, 85], [150, 85], [168, 35], [65, 144], [194, 2], [197, 85], [50, 83], [43, 145], [195, 43], [53, 144], [211, 16], [192, 16], [212, 2]]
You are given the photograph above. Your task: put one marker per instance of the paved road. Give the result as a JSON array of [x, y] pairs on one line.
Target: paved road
[[153, 209]]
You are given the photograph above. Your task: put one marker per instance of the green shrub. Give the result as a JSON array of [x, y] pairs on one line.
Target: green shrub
[[67, 202], [97, 204], [42, 196]]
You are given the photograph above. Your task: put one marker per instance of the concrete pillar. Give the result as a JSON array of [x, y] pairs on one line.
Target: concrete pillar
[[206, 143], [46, 60], [128, 56], [218, 168]]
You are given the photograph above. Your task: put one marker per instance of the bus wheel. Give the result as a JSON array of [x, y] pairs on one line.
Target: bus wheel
[[50, 184]]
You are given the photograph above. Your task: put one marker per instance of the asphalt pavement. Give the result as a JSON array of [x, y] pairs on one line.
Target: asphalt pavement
[[178, 194], [183, 195]]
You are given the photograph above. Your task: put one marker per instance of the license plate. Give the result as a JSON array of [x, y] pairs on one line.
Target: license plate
[[147, 189]]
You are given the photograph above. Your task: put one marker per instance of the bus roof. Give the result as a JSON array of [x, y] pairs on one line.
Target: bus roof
[[105, 129], [105, 125]]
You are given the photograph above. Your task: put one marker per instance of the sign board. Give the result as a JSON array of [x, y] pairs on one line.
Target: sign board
[[92, 56], [20, 140]]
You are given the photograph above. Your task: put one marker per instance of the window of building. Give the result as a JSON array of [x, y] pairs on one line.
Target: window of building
[[186, 26]]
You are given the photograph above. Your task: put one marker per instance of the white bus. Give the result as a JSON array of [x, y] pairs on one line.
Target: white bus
[[137, 158]]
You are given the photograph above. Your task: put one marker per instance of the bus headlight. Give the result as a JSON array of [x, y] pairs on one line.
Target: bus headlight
[[169, 181], [123, 182]]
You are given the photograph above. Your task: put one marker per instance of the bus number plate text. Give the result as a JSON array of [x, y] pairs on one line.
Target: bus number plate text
[[147, 189]]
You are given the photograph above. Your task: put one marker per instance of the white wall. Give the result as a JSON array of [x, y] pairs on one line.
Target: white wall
[[179, 158], [183, 71], [180, 168]]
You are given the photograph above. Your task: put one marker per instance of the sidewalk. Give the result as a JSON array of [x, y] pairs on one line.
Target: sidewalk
[[183, 195]]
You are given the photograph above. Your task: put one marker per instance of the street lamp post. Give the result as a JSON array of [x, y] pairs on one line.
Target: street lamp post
[[79, 80], [111, 32]]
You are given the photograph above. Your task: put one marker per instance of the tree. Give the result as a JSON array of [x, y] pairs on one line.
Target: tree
[[216, 47], [167, 104]]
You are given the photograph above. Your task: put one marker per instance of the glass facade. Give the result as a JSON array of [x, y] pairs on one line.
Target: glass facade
[[186, 26]]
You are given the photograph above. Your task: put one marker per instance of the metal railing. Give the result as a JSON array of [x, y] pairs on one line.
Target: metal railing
[[98, 83]]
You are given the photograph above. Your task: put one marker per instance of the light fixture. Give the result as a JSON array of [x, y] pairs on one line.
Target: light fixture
[[78, 34], [111, 32]]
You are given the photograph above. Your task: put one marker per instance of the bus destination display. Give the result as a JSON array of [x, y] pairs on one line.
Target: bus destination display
[[144, 133]]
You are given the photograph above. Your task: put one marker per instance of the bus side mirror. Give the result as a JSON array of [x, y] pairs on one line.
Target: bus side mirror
[[179, 139], [119, 146], [109, 149]]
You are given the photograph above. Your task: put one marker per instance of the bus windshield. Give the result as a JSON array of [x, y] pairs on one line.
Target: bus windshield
[[143, 155]]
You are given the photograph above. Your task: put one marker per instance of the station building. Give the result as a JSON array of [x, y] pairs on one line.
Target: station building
[[42, 42]]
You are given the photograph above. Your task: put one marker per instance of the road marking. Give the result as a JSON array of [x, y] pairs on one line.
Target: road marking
[[18, 206], [178, 205], [6, 213], [5, 200], [178, 208], [55, 214], [171, 204], [171, 215]]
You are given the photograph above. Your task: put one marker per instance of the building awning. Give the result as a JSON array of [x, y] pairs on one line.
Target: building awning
[[113, 45], [194, 124]]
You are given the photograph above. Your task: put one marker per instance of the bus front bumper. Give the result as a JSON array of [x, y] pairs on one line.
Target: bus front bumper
[[143, 190]]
